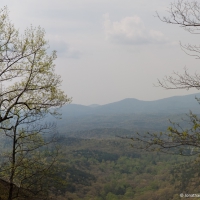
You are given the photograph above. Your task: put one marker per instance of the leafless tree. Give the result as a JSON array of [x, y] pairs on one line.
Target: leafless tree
[[178, 140]]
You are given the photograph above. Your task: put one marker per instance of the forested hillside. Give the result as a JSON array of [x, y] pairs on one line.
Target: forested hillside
[[106, 167], [111, 169]]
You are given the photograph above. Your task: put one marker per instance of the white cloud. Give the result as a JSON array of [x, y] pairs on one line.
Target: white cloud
[[131, 30]]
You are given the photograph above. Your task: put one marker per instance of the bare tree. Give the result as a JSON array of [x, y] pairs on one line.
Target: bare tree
[[187, 15], [184, 13], [178, 140]]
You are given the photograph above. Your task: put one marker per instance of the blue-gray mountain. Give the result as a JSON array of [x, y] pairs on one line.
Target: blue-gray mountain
[[131, 114], [177, 104]]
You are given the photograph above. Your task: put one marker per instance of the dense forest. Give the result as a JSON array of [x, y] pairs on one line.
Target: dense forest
[[109, 168]]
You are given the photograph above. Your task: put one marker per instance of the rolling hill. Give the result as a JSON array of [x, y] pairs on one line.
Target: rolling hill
[[131, 114]]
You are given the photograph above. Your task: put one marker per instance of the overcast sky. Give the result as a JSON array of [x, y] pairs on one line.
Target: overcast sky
[[109, 50]]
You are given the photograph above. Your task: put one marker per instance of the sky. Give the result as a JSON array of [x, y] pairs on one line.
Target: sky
[[109, 50]]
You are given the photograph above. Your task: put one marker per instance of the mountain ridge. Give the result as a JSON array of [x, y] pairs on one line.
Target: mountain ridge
[[175, 104], [130, 113]]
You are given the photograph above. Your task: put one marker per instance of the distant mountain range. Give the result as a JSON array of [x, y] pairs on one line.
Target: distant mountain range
[[175, 105], [128, 114]]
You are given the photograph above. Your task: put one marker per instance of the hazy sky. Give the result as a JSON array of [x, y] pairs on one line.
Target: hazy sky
[[109, 50]]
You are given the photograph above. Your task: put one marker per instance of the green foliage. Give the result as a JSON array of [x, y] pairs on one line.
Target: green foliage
[[29, 91], [98, 155], [86, 170], [92, 173]]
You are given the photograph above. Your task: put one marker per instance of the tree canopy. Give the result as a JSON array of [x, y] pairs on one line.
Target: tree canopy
[[27, 73], [29, 90]]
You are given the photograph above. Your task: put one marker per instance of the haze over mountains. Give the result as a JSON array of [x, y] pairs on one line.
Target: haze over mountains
[[176, 104], [129, 114]]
